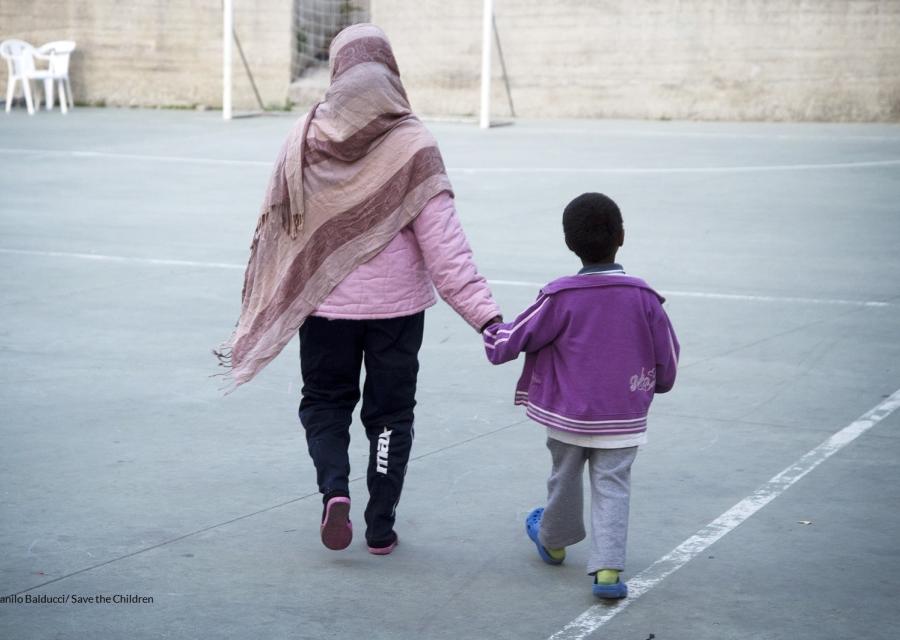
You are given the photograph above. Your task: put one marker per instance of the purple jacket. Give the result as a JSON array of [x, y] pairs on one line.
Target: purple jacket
[[597, 348]]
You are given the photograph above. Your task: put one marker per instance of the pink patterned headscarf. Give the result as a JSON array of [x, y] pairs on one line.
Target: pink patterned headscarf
[[353, 172]]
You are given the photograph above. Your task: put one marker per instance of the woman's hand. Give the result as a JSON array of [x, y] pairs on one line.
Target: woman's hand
[[492, 321]]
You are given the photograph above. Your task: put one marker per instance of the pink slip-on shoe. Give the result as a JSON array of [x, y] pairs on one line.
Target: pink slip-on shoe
[[336, 529], [383, 551]]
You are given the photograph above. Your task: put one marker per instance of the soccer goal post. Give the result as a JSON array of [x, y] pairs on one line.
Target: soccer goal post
[[259, 43], [312, 26], [487, 36], [227, 48], [455, 71]]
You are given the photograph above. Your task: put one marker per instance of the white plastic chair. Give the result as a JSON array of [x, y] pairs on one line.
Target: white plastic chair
[[19, 57], [57, 55]]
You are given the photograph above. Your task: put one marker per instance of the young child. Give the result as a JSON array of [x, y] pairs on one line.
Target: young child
[[598, 345]]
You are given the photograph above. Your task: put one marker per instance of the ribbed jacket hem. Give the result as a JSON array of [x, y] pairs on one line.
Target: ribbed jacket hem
[[369, 315], [572, 425]]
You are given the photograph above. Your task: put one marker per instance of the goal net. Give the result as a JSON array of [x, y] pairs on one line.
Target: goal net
[[275, 52], [440, 48], [314, 25], [278, 52]]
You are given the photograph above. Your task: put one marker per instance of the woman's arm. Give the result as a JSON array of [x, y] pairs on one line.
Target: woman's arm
[[449, 261]]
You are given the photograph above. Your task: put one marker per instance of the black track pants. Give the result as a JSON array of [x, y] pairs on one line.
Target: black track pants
[[331, 355]]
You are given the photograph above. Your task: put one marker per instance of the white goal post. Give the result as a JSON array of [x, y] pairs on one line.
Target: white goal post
[[314, 23], [227, 30], [487, 33]]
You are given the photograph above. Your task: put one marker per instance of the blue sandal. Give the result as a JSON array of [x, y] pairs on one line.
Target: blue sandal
[[614, 591], [533, 528]]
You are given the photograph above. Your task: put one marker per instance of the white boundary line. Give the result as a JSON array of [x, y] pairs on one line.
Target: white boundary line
[[726, 296], [104, 258], [134, 156], [738, 296], [509, 283], [890, 137], [659, 170], [598, 615], [477, 170]]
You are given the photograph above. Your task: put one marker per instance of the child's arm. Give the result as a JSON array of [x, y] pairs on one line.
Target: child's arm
[[449, 261], [666, 348], [534, 328]]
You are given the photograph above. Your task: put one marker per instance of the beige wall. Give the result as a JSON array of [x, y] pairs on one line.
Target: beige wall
[[707, 59], [158, 52], [836, 60]]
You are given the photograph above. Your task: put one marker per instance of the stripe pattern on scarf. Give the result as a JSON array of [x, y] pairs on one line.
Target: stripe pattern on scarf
[[352, 174]]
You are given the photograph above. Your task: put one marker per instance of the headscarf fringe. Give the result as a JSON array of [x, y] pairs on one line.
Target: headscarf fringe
[[223, 355]]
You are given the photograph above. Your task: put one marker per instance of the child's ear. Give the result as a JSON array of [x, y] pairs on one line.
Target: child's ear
[[622, 237]]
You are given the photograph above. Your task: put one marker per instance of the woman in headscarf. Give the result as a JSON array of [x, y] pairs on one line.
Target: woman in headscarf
[[357, 225]]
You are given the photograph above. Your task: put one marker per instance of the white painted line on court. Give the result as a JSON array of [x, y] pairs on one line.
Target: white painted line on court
[[104, 258], [658, 170], [518, 283], [727, 296], [501, 283], [477, 170], [598, 615], [135, 156], [894, 137], [749, 298]]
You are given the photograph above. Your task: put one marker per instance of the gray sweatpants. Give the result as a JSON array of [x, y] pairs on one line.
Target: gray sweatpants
[[563, 521]]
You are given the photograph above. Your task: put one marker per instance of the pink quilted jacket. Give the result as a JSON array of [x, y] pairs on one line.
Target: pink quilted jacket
[[398, 281]]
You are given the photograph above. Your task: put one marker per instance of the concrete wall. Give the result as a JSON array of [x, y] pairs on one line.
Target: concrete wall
[[834, 60], [159, 52], [708, 59]]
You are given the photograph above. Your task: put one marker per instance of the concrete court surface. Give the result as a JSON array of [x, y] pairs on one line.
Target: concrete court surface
[[123, 234]]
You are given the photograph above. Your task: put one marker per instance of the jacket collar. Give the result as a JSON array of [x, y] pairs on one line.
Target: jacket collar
[[613, 267]]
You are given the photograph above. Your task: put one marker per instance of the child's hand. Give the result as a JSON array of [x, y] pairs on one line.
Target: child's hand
[[492, 321]]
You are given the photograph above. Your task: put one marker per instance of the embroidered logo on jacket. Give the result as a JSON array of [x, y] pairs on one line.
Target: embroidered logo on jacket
[[643, 381], [384, 444]]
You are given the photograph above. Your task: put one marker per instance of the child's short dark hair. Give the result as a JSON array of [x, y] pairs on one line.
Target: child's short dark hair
[[592, 224]]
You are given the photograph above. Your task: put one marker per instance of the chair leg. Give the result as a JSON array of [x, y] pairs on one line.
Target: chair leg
[[69, 93], [10, 92], [63, 99], [48, 94], [26, 85]]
